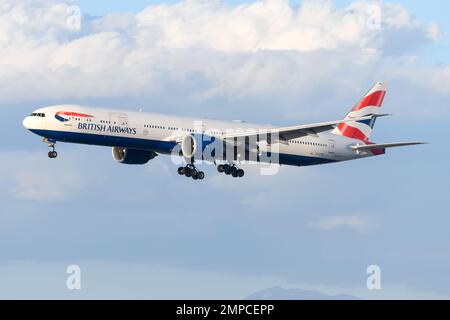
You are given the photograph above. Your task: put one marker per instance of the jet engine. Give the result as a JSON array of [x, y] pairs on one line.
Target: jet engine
[[132, 156], [197, 146], [189, 146]]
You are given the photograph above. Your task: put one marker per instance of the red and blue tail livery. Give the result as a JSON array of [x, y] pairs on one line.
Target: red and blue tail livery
[[65, 116], [369, 105]]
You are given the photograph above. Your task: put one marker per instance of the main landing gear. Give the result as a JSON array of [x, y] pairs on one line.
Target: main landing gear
[[190, 171], [232, 170], [51, 144]]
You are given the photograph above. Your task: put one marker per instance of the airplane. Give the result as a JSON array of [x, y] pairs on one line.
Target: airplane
[[138, 137]]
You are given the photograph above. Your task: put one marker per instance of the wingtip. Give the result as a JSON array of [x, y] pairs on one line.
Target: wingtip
[[418, 143], [383, 115]]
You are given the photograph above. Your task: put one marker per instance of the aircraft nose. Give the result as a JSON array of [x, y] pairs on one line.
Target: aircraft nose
[[27, 123]]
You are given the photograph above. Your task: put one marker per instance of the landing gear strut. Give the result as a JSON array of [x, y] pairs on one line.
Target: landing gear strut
[[51, 144], [190, 171], [232, 170]]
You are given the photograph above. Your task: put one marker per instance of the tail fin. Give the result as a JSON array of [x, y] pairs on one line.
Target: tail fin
[[370, 104]]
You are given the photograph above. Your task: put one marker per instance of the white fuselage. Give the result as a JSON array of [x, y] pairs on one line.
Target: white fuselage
[[159, 133]]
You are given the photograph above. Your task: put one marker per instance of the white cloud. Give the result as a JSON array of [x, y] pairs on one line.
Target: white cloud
[[434, 31], [265, 48], [352, 222], [264, 25]]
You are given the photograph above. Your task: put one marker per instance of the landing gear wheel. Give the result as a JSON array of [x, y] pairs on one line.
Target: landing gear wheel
[[240, 173], [227, 169], [190, 171], [221, 168], [234, 171], [52, 154], [51, 144], [201, 175]]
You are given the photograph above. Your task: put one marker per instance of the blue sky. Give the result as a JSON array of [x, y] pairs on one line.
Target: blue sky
[[142, 232]]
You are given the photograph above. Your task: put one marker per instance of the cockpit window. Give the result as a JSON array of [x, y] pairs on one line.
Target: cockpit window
[[35, 114]]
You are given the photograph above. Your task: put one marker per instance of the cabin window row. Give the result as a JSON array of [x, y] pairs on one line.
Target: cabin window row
[[309, 143], [79, 119], [152, 126]]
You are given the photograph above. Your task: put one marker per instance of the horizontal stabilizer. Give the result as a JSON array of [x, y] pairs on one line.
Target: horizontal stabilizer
[[386, 145]]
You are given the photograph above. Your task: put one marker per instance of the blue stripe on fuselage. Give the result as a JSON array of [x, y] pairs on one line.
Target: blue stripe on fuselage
[[164, 147], [108, 141], [302, 161]]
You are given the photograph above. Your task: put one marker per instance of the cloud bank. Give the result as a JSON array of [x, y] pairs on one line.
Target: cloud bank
[[200, 51]]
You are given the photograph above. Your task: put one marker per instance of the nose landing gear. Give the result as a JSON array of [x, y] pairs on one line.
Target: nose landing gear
[[52, 154], [51, 144], [190, 171], [232, 170]]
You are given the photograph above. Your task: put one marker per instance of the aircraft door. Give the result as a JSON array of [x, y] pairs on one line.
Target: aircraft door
[[331, 146], [118, 119]]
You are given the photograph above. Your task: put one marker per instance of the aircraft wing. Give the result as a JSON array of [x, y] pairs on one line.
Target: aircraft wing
[[386, 145], [294, 132]]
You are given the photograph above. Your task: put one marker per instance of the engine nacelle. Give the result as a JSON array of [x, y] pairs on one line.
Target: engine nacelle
[[189, 145], [132, 156], [197, 146]]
